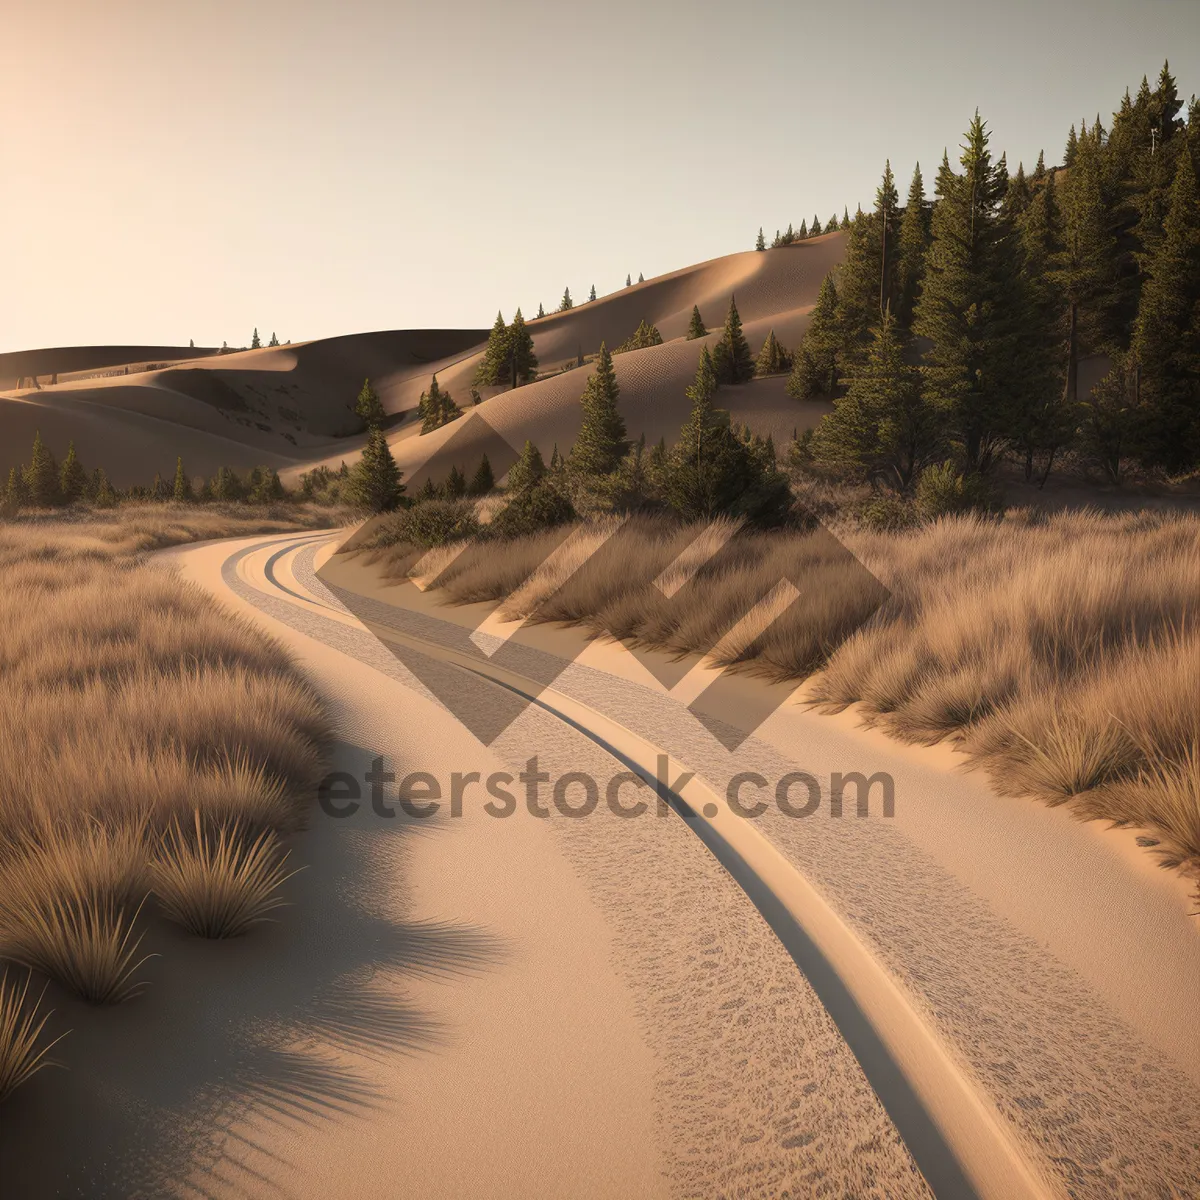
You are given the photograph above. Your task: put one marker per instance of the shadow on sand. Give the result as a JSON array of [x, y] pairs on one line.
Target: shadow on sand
[[265, 1028]]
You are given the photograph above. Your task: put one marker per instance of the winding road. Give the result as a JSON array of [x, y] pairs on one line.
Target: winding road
[[974, 997]]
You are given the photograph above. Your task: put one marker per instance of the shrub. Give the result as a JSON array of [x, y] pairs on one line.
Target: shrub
[[885, 514], [541, 506], [428, 523], [219, 882], [943, 491]]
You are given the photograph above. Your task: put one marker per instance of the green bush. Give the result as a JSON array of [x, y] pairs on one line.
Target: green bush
[[944, 490], [429, 523], [540, 506], [886, 514]]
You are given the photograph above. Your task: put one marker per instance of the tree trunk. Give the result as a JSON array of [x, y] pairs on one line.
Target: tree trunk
[[1049, 464]]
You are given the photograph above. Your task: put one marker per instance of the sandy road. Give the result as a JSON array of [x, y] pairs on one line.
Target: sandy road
[[601, 1010], [471, 1005], [1057, 968]]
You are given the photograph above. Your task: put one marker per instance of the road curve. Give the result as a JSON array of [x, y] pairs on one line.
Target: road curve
[[947, 1117], [639, 1029]]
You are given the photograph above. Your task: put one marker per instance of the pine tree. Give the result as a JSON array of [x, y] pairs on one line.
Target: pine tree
[[696, 325], [182, 490], [1039, 172], [772, 358], [641, 277], [831, 226], [778, 240], [600, 444], [883, 425], [1166, 336], [103, 495], [159, 489], [41, 476], [1110, 419], [1153, 174], [541, 312], [701, 476], [760, 243], [732, 360], [887, 221], [566, 304], [436, 408], [710, 470], [814, 229], [815, 364], [629, 281], [483, 481], [1087, 270], [493, 367], [274, 340], [528, 471], [268, 487], [866, 283], [645, 335], [16, 494], [226, 486], [592, 294], [556, 461], [522, 361], [966, 307], [255, 343], [456, 484], [788, 238], [374, 481], [912, 243], [369, 408], [1045, 420], [1019, 194], [803, 234], [1072, 146], [72, 480]]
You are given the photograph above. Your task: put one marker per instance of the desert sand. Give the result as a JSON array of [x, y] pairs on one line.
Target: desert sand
[[292, 407]]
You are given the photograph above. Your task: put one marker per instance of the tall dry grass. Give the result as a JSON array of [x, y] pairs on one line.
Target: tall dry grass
[[1061, 652], [132, 707]]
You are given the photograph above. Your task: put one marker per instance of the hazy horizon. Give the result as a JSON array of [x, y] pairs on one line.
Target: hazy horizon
[[332, 169]]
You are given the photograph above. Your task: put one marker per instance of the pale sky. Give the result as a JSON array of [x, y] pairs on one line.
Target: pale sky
[[177, 171]]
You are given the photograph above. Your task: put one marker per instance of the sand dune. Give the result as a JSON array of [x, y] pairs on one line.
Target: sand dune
[[292, 407], [774, 290], [78, 360]]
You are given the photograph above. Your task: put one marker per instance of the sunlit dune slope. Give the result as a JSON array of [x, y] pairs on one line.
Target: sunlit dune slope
[[775, 289], [292, 406], [277, 407]]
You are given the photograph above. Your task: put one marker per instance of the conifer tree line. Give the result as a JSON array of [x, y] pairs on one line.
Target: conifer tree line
[[957, 328], [644, 335], [791, 236], [45, 483]]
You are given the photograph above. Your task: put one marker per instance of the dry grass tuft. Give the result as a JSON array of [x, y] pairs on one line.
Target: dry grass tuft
[[1061, 652], [21, 1025], [218, 882], [130, 702]]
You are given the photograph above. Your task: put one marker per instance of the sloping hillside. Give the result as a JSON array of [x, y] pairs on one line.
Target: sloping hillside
[[278, 407], [775, 289], [292, 407]]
